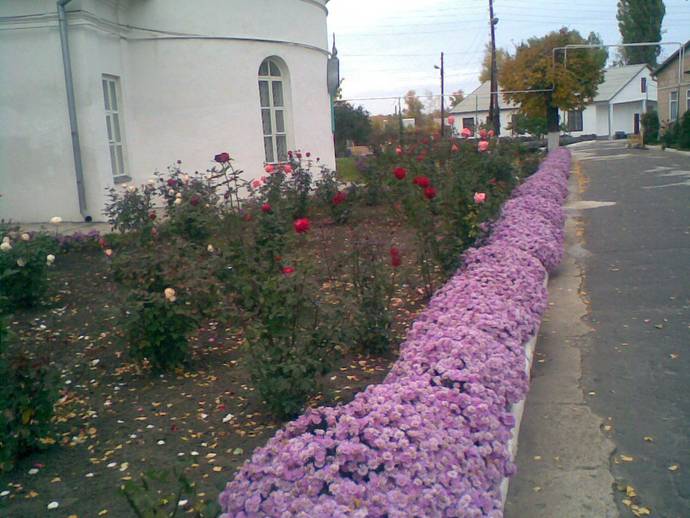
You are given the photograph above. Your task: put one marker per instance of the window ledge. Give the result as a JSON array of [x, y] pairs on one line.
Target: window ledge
[[122, 179]]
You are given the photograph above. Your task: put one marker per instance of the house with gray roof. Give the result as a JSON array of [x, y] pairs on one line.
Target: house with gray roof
[[625, 94]]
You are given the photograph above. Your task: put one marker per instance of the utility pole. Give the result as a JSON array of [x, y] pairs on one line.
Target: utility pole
[[400, 123], [443, 116], [494, 110]]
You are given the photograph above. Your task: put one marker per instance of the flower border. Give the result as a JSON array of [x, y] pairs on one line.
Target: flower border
[[435, 438]]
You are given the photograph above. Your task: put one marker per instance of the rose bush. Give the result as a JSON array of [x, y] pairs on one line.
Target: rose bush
[[432, 440], [24, 262]]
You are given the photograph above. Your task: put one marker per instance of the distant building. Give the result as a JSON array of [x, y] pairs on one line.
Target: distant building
[[625, 94], [674, 91], [154, 81], [473, 111]]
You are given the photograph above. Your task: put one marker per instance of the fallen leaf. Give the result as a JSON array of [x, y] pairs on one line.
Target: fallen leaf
[[673, 467], [627, 458]]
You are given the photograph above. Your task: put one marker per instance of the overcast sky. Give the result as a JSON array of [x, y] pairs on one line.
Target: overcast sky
[[387, 47]]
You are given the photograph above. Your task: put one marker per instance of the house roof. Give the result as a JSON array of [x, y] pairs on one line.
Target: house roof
[[478, 101], [615, 78], [671, 58]]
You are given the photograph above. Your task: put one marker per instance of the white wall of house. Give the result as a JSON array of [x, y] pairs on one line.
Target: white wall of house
[[181, 97], [480, 118]]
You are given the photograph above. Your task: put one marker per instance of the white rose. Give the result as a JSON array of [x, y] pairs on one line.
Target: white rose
[[209, 248], [21, 262], [50, 259], [109, 252], [171, 192], [132, 188], [6, 239], [178, 201], [169, 294], [152, 181], [185, 178], [25, 237], [56, 220], [178, 195], [5, 246]]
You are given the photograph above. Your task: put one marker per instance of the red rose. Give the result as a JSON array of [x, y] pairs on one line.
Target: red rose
[[395, 257], [266, 208], [221, 158], [491, 133], [400, 173], [492, 181], [194, 201], [339, 198], [482, 133], [421, 157], [421, 181], [287, 168], [308, 154], [269, 168], [430, 193], [454, 148], [172, 182], [302, 225], [425, 141], [102, 243], [152, 216], [247, 217], [298, 154], [287, 270], [398, 151]]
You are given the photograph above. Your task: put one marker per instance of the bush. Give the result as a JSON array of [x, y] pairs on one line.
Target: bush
[[27, 396], [650, 124], [677, 134], [170, 288], [373, 285], [157, 330], [130, 208], [24, 262], [336, 196]]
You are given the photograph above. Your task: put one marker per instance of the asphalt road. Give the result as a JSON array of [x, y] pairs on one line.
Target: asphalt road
[[606, 430], [637, 281]]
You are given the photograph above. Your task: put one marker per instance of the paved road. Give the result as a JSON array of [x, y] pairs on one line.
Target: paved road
[[611, 386]]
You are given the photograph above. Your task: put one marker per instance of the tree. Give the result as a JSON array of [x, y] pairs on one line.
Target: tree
[[640, 21], [501, 56], [350, 124], [414, 107], [522, 124], [532, 68], [456, 98]]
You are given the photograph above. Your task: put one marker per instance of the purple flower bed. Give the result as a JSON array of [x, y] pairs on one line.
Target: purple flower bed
[[432, 439]]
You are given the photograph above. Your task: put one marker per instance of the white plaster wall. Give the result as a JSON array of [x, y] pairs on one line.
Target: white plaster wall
[[623, 116], [602, 117], [481, 117], [184, 98], [633, 90]]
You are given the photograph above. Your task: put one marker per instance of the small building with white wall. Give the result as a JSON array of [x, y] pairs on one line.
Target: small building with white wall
[[473, 111], [154, 81], [626, 93]]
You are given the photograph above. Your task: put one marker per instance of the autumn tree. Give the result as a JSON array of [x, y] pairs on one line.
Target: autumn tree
[[501, 56], [414, 107], [640, 21], [556, 85]]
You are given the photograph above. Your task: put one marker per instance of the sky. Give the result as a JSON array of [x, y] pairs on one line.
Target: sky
[[387, 47]]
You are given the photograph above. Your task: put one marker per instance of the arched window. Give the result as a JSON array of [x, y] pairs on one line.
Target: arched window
[[273, 110]]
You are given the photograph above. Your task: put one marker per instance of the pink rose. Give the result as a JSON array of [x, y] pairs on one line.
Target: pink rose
[[479, 197], [287, 168], [451, 120], [466, 132], [483, 146], [269, 168]]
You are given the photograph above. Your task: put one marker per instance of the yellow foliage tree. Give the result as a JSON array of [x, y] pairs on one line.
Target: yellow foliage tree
[[532, 68]]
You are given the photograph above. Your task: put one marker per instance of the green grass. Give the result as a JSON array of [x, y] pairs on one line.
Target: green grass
[[347, 169]]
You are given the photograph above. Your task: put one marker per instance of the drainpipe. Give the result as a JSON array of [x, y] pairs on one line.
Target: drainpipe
[[71, 107]]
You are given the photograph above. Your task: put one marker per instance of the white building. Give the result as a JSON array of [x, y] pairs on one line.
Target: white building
[[625, 94], [154, 81], [473, 110]]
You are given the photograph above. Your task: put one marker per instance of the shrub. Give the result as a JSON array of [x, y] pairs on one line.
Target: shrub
[[24, 262], [27, 396], [129, 208], [170, 288], [336, 196], [684, 131], [650, 124], [372, 289], [157, 330]]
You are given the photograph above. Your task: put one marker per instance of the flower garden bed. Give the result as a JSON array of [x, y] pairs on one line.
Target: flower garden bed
[[433, 438], [224, 306]]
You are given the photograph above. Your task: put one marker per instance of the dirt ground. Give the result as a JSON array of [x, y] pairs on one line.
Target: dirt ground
[[116, 421]]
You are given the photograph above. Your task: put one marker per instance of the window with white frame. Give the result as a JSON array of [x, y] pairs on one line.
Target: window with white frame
[[273, 111], [113, 123], [673, 105], [687, 100]]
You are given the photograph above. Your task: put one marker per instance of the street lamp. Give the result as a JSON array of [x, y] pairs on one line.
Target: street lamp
[[443, 122]]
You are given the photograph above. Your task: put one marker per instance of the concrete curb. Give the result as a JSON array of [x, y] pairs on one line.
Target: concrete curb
[[672, 150], [518, 409]]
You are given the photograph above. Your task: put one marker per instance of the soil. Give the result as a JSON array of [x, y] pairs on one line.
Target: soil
[[117, 421]]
